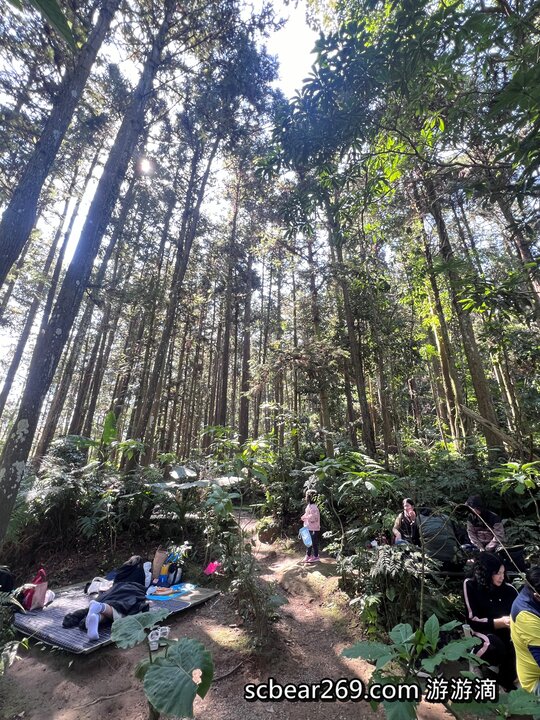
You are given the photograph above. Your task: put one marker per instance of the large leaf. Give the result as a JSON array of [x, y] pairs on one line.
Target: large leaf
[[401, 633], [432, 631], [400, 710], [521, 702], [367, 650], [455, 650], [130, 631], [168, 682], [450, 625]]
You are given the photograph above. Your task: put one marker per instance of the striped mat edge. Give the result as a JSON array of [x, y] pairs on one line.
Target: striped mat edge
[[46, 625]]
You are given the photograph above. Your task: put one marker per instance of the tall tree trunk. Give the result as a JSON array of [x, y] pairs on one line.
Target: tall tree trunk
[[279, 426], [368, 433], [67, 235], [20, 214], [62, 390], [472, 353], [452, 385], [221, 412], [131, 348], [324, 406], [296, 394], [51, 343], [36, 302], [188, 231], [243, 414], [529, 263], [351, 414], [10, 284]]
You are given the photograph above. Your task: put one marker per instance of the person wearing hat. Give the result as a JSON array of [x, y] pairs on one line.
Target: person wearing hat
[[488, 601], [484, 528], [525, 631]]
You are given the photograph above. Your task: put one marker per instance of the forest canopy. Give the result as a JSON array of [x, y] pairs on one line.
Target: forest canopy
[[191, 262]]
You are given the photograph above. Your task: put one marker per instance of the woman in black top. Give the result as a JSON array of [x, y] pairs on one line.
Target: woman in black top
[[488, 600]]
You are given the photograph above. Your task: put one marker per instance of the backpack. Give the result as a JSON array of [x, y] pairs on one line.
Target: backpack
[[7, 583], [439, 537], [34, 597]]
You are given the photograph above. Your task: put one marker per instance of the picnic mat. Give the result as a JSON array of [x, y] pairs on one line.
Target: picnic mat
[[46, 624]]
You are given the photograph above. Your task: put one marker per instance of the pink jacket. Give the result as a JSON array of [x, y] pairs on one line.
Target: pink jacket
[[312, 517]]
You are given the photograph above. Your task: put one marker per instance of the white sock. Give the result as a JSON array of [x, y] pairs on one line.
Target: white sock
[[95, 607], [92, 622]]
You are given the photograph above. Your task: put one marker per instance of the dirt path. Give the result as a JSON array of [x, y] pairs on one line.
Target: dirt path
[[313, 627]]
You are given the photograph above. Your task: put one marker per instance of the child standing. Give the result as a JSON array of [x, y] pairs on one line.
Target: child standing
[[312, 520]]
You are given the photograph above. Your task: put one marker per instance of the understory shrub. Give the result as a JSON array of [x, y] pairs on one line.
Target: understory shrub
[[256, 600], [385, 584]]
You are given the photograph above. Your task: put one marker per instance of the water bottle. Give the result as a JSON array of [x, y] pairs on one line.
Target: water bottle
[[163, 579]]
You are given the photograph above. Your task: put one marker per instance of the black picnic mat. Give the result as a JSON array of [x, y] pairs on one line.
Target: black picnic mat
[[46, 624]]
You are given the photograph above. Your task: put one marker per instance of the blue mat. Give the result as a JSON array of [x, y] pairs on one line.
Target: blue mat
[[180, 589]]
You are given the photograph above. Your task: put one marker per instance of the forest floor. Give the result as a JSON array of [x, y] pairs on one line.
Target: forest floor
[[305, 647]]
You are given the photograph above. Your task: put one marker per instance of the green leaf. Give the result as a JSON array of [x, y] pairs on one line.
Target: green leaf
[[455, 650], [521, 702], [480, 709], [401, 633], [169, 684], [385, 659], [366, 650], [130, 631], [432, 631], [142, 668], [52, 11], [400, 710], [450, 625]]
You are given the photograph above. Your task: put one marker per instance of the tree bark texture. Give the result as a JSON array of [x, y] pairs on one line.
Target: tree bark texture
[[20, 214], [52, 341]]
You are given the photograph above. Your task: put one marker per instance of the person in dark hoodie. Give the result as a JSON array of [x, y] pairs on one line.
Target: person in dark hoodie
[[525, 631], [126, 597], [488, 601]]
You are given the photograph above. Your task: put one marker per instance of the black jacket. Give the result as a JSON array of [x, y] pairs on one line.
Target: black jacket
[[483, 605], [125, 597]]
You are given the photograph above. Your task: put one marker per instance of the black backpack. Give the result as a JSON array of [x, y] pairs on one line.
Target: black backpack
[[7, 582], [439, 538]]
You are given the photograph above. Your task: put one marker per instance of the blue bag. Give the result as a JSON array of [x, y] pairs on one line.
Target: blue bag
[[305, 537]]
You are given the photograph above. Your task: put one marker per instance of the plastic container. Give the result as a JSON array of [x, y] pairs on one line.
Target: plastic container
[[153, 638], [305, 536]]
